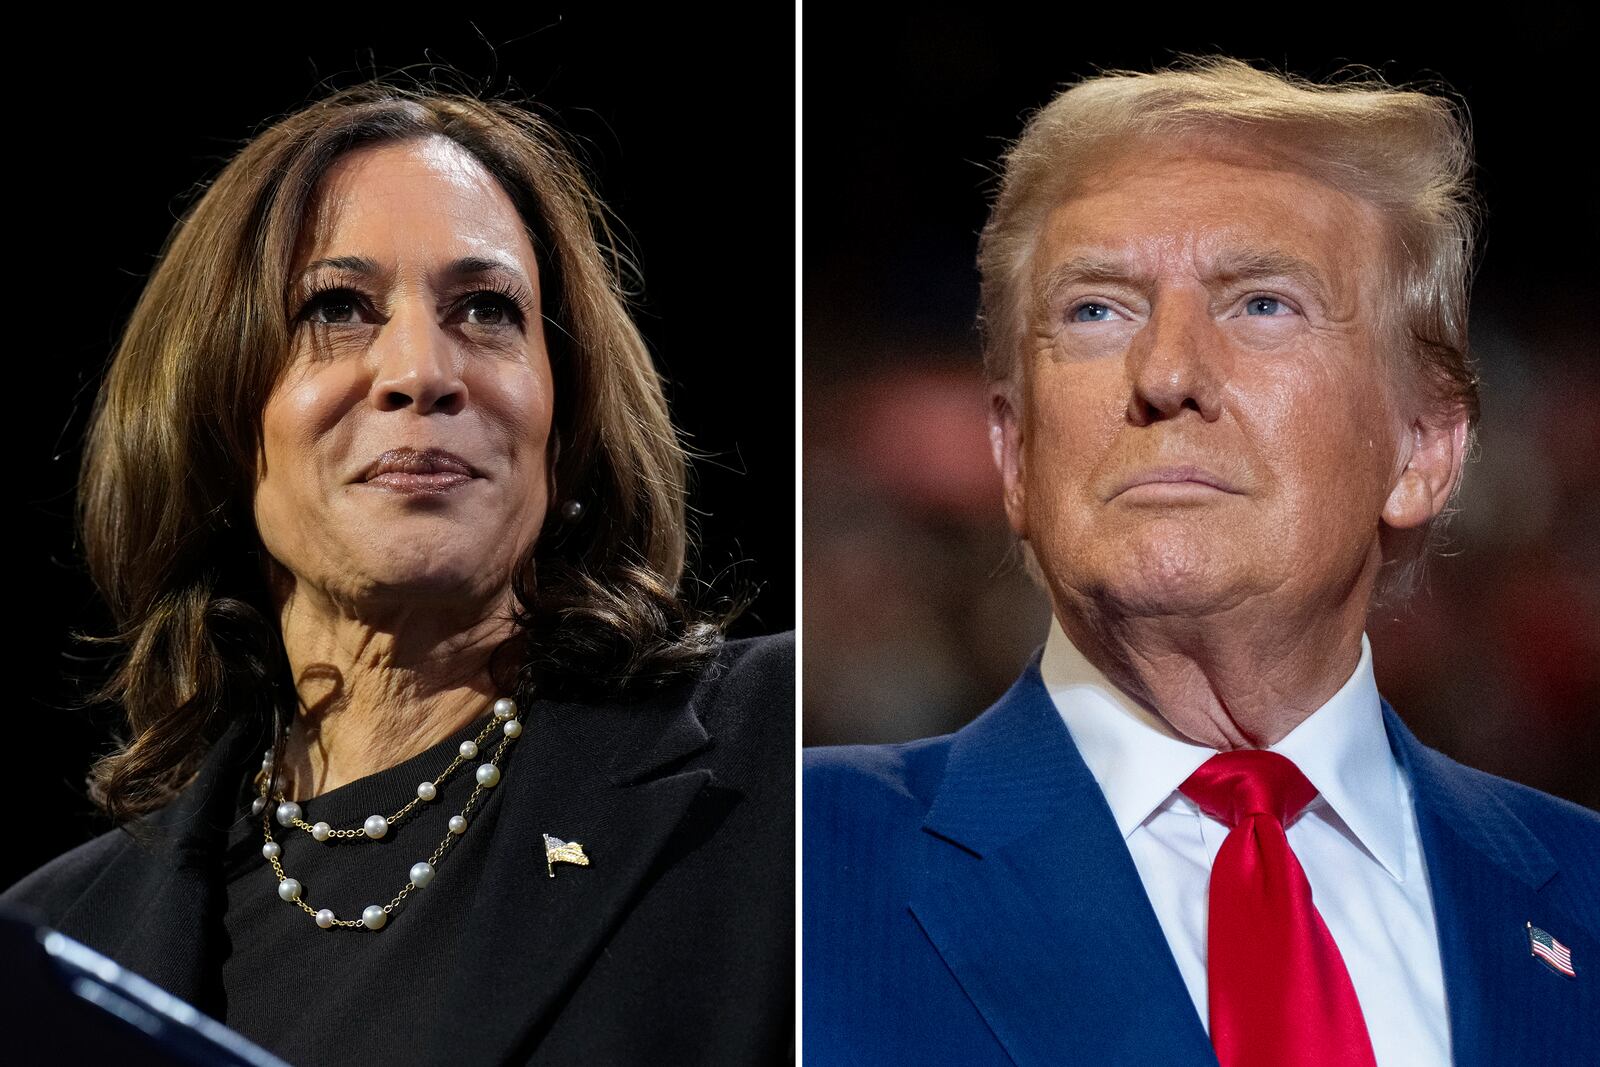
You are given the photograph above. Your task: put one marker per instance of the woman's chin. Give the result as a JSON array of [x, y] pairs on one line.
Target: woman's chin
[[435, 582]]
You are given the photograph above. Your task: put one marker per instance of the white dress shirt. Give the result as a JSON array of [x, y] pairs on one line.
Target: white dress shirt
[[1357, 841]]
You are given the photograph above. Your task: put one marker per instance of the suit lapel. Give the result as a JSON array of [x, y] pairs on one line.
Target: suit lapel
[[597, 775], [171, 870], [1490, 875], [600, 775], [1032, 900]]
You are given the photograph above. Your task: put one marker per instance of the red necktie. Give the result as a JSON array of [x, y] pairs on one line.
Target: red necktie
[[1279, 991]]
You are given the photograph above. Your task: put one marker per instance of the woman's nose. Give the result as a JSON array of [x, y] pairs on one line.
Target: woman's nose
[[416, 365], [1174, 362]]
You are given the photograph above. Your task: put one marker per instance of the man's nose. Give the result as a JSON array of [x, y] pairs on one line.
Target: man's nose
[[415, 364], [1175, 362]]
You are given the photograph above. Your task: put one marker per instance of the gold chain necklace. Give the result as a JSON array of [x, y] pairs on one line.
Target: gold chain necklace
[[288, 813]]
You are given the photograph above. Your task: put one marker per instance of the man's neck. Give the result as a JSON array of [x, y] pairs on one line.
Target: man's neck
[[1231, 681]]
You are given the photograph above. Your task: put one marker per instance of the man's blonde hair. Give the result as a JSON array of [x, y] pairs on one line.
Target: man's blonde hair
[[1406, 152]]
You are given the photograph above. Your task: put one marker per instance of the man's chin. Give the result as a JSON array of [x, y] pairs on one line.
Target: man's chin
[[1171, 583]]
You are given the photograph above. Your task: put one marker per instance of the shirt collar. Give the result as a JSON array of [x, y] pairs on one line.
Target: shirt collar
[[1139, 760]]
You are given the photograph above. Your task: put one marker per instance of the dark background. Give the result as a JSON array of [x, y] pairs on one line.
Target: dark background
[[687, 125], [917, 615]]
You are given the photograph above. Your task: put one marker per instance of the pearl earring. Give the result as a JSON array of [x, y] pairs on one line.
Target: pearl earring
[[572, 510]]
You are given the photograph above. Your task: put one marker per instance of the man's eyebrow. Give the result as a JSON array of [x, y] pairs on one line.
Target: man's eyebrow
[[1085, 268], [1229, 265], [1245, 264]]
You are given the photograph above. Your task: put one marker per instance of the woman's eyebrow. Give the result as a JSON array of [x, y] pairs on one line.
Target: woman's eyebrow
[[479, 265], [353, 264], [465, 265]]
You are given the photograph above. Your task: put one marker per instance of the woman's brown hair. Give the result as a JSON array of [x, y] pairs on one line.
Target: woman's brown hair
[[164, 507]]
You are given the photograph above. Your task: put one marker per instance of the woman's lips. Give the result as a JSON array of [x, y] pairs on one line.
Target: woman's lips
[[412, 470], [406, 482]]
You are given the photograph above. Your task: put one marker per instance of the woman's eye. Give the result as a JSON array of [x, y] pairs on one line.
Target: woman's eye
[[1263, 305], [490, 309], [1090, 313], [332, 306], [346, 306]]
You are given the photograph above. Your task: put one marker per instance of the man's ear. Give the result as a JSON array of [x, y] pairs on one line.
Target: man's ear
[[1435, 450], [1005, 439]]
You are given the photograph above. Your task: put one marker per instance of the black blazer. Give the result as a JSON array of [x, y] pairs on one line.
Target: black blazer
[[676, 947]]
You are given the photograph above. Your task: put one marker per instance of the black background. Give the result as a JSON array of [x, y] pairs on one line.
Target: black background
[[687, 125]]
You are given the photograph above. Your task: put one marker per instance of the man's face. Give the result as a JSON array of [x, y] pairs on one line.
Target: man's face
[[1205, 416]]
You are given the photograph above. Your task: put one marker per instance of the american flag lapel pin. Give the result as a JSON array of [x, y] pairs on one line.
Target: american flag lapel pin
[[559, 851], [1553, 952]]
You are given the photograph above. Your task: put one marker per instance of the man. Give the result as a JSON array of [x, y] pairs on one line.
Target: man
[[1225, 329]]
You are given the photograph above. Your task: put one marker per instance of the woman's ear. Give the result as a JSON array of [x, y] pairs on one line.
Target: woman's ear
[[552, 453], [1434, 451]]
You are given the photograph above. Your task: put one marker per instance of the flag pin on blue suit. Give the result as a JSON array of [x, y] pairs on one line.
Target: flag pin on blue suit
[[1553, 952], [559, 851]]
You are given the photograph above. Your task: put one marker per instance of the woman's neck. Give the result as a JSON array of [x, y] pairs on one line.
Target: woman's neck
[[377, 687]]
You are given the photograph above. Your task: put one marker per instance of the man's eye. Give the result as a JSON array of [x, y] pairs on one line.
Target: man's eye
[[1263, 305], [1090, 313]]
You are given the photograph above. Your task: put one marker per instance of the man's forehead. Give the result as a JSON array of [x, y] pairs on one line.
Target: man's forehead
[[1139, 218]]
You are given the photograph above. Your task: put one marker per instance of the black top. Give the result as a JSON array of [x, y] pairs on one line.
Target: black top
[[675, 945], [286, 979]]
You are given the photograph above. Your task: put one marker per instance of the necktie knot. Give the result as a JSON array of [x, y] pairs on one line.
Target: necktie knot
[[1279, 990], [1232, 786]]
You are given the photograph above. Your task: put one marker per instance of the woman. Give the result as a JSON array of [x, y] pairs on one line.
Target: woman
[[428, 755]]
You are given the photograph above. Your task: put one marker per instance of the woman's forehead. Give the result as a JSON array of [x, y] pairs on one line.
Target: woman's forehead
[[419, 199]]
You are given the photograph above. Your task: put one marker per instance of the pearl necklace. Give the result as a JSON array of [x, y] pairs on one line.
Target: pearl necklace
[[288, 813]]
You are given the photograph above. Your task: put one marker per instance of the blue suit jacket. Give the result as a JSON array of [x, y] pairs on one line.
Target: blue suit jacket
[[969, 900]]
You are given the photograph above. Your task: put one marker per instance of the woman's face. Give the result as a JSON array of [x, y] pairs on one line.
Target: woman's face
[[404, 449]]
